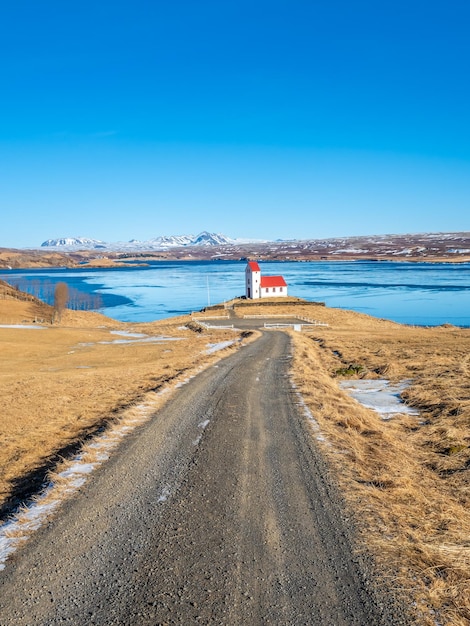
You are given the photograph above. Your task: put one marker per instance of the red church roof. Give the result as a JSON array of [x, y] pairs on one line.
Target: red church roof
[[254, 266], [273, 281]]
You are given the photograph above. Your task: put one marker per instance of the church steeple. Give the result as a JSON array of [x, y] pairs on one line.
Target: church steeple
[[252, 280]]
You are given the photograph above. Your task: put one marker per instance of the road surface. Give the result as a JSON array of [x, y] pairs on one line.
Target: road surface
[[218, 511]]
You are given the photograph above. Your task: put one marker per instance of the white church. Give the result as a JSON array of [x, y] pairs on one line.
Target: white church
[[257, 286]]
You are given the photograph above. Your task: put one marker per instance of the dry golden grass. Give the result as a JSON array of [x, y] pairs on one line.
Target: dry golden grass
[[11, 258], [61, 383], [408, 478]]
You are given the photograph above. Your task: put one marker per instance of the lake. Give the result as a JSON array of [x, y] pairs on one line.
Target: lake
[[425, 294]]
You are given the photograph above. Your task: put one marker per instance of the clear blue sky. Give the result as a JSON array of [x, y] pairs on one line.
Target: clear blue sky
[[264, 119]]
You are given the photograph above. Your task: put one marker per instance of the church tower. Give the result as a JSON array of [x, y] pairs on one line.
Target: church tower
[[252, 280]]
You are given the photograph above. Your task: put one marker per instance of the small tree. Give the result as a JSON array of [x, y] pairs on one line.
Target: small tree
[[61, 296]]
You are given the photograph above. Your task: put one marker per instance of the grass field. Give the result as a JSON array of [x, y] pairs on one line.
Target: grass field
[[406, 479]]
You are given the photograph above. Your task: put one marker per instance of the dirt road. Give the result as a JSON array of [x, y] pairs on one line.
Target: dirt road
[[219, 511]]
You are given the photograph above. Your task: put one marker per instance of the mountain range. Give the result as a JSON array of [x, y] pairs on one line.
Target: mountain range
[[158, 243], [215, 246]]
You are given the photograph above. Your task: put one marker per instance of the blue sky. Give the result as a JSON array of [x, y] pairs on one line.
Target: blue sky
[[279, 119]]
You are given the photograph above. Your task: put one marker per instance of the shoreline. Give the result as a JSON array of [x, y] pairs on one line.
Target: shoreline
[[144, 261]]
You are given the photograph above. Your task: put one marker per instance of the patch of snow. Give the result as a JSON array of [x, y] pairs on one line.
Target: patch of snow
[[404, 251], [183, 382], [215, 347], [202, 425], [308, 414], [146, 339], [164, 495], [127, 333], [78, 468], [379, 395], [76, 474], [29, 326], [16, 531], [351, 251]]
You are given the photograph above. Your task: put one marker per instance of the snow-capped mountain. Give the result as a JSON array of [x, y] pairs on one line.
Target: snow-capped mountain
[[82, 242], [403, 247], [158, 243], [171, 241], [210, 239]]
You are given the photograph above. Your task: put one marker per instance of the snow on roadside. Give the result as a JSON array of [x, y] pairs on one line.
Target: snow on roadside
[[145, 339], [181, 383], [164, 494], [308, 414], [214, 347], [379, 395], [202, 425], [27, 326], [133, 340], [127, 333]]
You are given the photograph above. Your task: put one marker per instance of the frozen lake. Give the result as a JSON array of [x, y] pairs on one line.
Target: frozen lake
[[411, 293]]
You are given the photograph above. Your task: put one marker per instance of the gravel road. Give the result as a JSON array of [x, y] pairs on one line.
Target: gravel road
[[218, 511]]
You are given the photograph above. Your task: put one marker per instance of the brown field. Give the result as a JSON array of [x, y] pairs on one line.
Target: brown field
[[406, 480]]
